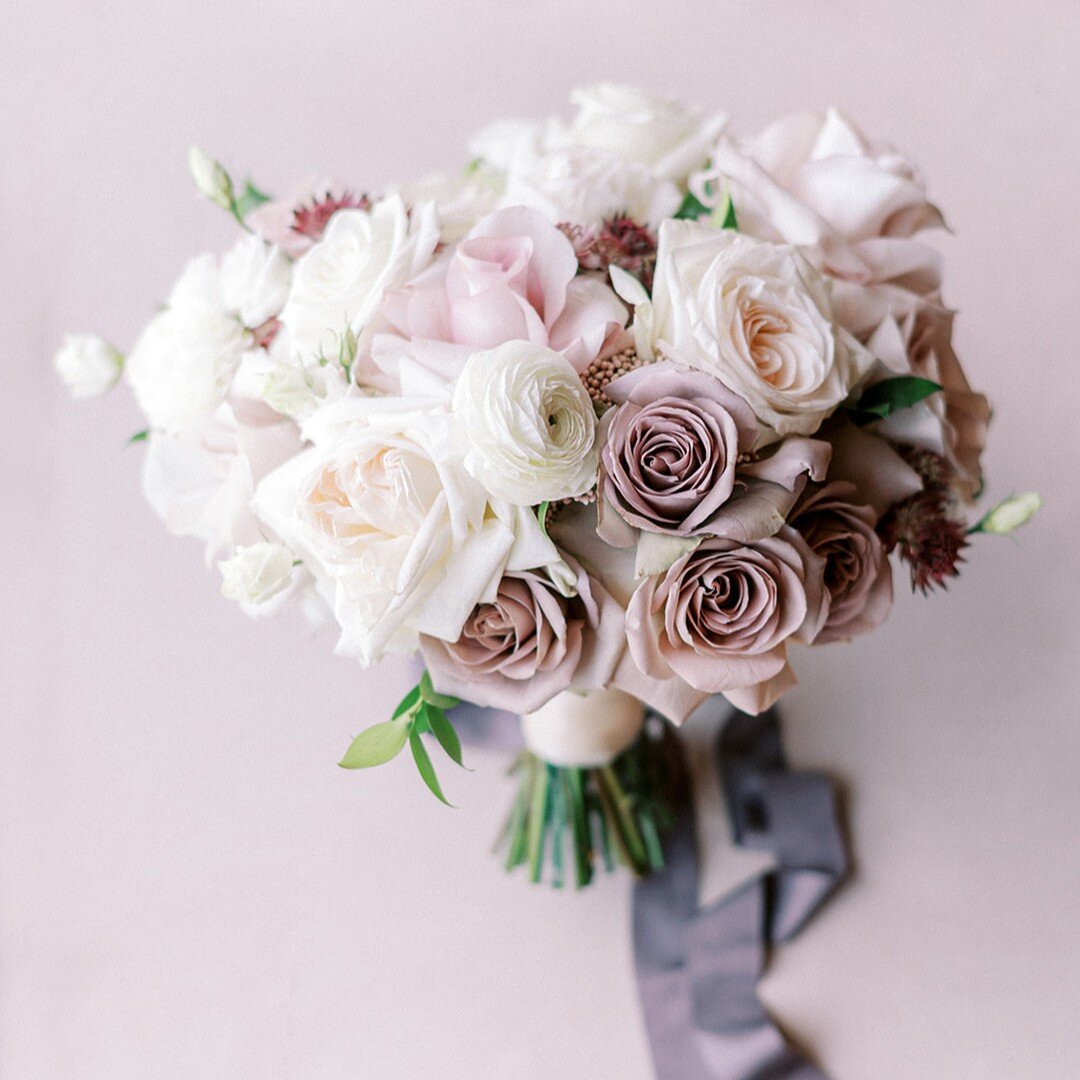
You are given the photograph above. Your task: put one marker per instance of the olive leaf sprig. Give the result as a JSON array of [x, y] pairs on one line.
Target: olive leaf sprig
[[421, 712]]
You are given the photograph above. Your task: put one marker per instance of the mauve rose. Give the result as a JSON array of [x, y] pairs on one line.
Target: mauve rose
[[670, 448], [721, 617], [858, 579], [529, 643], [513, 278]]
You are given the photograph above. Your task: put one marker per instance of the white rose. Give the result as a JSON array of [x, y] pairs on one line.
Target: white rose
[[585, 186], [255, 279], [200, 482], [339, 283], [395, 530], [659, 132], [757, 316], [461, 201], [529, 422], [88, 365], [183, 363], [257, 575]]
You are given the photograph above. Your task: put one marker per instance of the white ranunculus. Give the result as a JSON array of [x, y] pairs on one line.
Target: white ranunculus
[[757, 316], [399, 536], [258, 577], [181, 366], [529, 422], [255, 279], [338, 284], [659, 132], [585, 186], [88, 365]]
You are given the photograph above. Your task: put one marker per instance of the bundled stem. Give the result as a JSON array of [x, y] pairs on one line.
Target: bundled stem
[[612, 813]]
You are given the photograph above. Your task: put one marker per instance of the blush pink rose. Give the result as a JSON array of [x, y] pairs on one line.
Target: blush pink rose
[[513, 278]]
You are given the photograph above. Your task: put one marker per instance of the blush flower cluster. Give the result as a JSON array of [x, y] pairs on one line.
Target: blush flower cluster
[[631, 401]]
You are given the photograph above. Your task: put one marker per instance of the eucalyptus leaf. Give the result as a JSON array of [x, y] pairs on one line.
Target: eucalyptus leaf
[[376, 745], [423, 763], [433, 697], [891, 395]]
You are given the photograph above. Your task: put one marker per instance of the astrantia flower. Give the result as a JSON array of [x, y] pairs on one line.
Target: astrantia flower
[[529, 422], [758, 317], [310, 219]]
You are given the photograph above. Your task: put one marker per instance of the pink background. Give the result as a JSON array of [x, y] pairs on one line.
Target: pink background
[[190, 888]]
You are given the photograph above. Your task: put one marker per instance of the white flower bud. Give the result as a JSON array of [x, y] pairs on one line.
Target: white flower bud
[[210, 178], [256, 575], [1010, 514], [88, 365]]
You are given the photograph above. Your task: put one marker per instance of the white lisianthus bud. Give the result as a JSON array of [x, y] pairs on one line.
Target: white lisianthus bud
[[210, 178], [1010, 514], [88, 365], [530, 424], [256, 575]]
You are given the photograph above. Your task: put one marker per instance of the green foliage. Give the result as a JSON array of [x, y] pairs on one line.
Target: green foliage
[[250, 198], [139, 436], [692, 208], [422, 711], [889, 396]]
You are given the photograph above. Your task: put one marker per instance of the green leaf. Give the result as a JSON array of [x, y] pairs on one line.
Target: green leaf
[[423, 763], [249, 200], [891, 395], [444, 733], [139, 436], [376, 745], [692, 208], [729, 221], [408, 702], [541, 515], [433, 697]]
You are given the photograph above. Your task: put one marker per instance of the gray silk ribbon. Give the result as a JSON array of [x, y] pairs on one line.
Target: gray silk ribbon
[[698, 967]]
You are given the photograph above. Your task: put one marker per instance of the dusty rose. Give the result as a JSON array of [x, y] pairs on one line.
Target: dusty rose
[[953, 423], [721, 617], [513, 278], [858, 578], [530, 643], [670, 448]]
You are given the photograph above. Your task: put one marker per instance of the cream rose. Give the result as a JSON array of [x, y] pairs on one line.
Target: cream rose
[[398, 535], [529, 422], [338, 284], [757, 316], [181, 367]]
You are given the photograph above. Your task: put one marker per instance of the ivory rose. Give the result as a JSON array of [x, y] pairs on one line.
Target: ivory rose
[[513, 278], [259, 578], [721, 617], [529, 422], [758, 317], [339, 283]]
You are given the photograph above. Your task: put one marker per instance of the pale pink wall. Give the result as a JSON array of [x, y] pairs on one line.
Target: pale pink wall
[[190, 888]]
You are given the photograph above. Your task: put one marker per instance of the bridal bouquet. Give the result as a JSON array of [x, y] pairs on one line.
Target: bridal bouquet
[[623, 413]]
